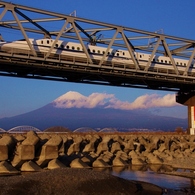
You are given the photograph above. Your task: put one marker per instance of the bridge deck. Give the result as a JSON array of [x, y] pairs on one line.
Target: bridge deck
[[76, 69]]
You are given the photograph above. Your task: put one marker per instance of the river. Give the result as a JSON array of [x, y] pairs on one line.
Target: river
[[153, 174]]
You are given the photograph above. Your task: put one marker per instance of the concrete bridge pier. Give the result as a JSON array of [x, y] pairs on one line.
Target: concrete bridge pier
[[191, 119], [188, 99]]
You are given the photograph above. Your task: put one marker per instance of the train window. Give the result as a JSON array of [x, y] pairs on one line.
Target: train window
[[162, 61], [177, 63], [47, 41], [184, 64], [165, 61], [98, 51], [181, 63], [88, 50], [153, 60], [169, 62], [140, 56], [56, 45], [67, 47], [157, 60], [117, 54], [78, 48], [73, 47], [41, 42], [123, 53], [93, 50], [103, 52], [108, 53]]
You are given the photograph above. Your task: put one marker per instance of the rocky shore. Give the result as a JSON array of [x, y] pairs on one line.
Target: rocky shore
[[66, 159]]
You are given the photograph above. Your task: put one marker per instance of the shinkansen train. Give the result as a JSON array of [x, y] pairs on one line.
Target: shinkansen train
[[96, 52]]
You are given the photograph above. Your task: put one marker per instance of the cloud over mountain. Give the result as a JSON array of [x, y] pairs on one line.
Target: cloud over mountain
[[105, 111], [74, 99]]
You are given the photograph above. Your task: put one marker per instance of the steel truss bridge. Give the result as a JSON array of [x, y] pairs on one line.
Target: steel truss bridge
[[27, 22]]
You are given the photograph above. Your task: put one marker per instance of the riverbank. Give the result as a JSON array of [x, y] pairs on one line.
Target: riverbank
[[63, 153], [74, 181]]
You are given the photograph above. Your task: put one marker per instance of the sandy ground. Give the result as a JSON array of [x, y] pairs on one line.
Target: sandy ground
[[73, 181]]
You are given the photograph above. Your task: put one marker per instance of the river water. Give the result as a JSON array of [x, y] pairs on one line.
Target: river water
[[153, 174]]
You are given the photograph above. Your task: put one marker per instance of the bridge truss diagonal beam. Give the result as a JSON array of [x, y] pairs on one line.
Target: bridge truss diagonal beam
[[108, 48], [131, 49], [152, 54], [57, 38], [81, 41], [31, 21], [168, 53], [189, 62]]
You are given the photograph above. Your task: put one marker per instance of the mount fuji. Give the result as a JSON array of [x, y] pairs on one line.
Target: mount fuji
[[98, 110]]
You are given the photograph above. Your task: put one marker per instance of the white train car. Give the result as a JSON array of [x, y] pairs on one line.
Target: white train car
[[96, 52], [163, 62]]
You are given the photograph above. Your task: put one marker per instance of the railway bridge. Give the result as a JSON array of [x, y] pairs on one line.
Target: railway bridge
[[22, 22]]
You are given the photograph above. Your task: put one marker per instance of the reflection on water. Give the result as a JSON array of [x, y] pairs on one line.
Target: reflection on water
[[151, 174]]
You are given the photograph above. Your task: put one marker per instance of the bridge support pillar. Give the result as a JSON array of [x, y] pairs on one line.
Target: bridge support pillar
[[188, 99], [191, 120]]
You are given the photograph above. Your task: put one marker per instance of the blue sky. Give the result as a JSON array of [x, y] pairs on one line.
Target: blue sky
[[175, 17]]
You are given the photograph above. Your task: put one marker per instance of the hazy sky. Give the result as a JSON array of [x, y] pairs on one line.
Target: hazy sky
[[175, 17]]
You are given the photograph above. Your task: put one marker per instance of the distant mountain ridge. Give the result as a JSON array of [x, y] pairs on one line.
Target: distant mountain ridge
[[96, 117]]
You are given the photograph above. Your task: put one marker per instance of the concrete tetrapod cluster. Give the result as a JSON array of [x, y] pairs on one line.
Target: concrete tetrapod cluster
[[35, 152]]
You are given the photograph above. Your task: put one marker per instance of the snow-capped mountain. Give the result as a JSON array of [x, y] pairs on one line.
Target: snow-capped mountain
[[98, 110]]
